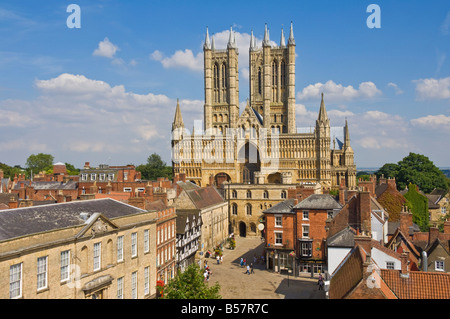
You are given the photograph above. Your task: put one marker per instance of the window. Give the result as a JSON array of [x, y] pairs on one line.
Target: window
[[330, 214], [306, 215], [439, 265], [266, 194], [234, 209], [146, 239], [259, 81], [283, 194], [127, 189], [390, 265], [84, 177], [248, 209], [278, 221], [234, 194], [305, 230], [249, 194], [42, 273], [146, 280], [134, 285], [306, 249], [119, 248], [101, 177], [15, 281], [443, 210], [97, 256], [125, 176], [120, 288], [93, 177], [278, 238], [110, 176], [65, 262], [133, 244]]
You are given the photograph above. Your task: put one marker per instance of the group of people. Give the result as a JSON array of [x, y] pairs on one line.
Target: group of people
[[207, 272], [249, 267]]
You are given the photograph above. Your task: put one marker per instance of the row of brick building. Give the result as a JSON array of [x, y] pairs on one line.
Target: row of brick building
[[83, 236], [352, 241]]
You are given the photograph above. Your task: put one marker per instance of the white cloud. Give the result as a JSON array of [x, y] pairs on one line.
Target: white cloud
[[106, 49], [338, 92], [445, 26], [433, 88], [180, 59], [398, 91], [433, 122], [187, 59]]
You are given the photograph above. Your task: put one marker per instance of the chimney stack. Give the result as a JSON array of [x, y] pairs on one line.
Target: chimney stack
[[405, 221], [13, 203], [405, 264], [433, 235], [364, 241], [447, 227], [365, 211]]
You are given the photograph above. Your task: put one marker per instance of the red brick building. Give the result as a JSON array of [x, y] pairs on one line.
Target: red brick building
[[296, 233]]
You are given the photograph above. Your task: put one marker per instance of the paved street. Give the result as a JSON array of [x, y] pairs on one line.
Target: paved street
[[262, 284]]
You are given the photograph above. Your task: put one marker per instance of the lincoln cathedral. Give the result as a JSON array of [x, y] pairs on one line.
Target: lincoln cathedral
[[261, 147]]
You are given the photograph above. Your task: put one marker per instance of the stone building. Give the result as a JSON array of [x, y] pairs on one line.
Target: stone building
[[76, 250], [262, 143], [213, 210]]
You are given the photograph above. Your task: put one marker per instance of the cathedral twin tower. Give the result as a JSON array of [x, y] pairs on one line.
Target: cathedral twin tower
[[300, 157]]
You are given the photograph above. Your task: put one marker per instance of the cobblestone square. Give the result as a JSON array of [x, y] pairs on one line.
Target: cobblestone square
[[262, 284]]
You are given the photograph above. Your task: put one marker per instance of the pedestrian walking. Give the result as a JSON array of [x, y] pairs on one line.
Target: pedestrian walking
[[248, 270], [245, 262], [251, 268], [218, 259], [320, 282], [221, 259], [241, 262]]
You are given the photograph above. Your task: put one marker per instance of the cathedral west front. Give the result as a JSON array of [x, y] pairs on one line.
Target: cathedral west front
[[260, 150]]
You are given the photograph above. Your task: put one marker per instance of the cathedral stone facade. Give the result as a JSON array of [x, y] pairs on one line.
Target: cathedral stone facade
[[262, 145]]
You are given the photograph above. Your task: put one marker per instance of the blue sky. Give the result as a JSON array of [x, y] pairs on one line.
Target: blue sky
[[106, 92]]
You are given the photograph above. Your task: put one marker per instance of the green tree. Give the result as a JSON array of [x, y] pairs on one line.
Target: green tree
[[154, 168], [388, 170], [416, 169], [418, 204], [191, 285], [39, 162], [9, 171], [71, 170]]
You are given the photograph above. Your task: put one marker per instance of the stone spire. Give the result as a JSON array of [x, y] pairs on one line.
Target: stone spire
[[282, 40], [346, 135], [266, 41], [291, 40], [252, 41], [322, 111], [232, 39], [207, 45], [178, 119], [213, 43]]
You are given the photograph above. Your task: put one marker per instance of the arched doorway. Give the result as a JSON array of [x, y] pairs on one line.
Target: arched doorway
[[249, 157], [242, 229]]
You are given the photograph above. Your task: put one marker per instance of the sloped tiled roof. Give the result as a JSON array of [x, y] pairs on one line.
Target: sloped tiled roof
[[36, 219], [282, 207], [418, 285], [205, 197], [344, 238], [319, 201]]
